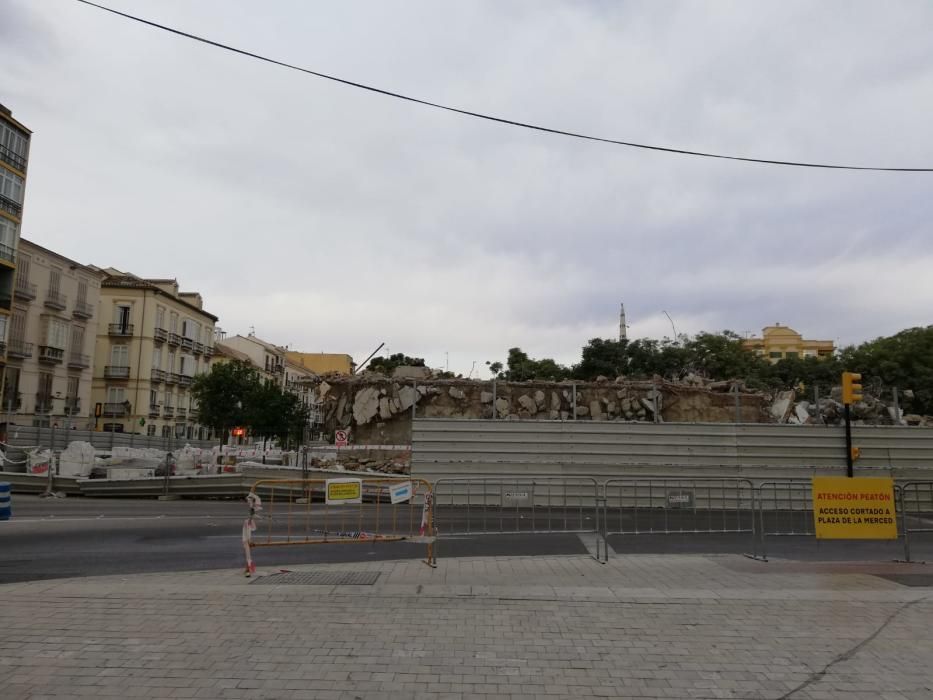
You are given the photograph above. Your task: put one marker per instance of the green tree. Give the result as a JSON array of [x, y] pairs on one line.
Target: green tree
[[223, 395], [495, 368], [386, 365]]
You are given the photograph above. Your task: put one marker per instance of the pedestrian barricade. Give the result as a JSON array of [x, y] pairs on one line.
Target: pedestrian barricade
[[916, 506], [289, 512], [785, 508], [504, 505], [657, 505]]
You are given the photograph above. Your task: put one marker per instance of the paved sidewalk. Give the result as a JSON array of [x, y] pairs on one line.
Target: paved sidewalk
[[556, 627]]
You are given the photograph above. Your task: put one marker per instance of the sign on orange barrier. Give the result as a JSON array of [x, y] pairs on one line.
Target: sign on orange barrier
[[340, 491]]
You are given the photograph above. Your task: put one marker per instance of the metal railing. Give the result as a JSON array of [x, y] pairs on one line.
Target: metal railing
[[168, 411], [174, 339], [153, 410], [43, 403], [56, 300], [49, 354], [157, 376], [19, 348], [916, 504], [198, 348], [184, 380], [24, 290], [7, 253], [13, 158], [11, 206], [82, 310], [293, 512], [181, 412], [678, 505], [159, 335], [72, 405], [120, 329], [115, 410], [517, 505], [116, 372], [76, 360], [187, 343]]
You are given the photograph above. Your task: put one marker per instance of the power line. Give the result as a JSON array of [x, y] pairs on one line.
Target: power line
[[489, 117]]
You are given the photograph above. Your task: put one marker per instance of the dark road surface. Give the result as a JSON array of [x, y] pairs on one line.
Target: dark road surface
[[57, 538]]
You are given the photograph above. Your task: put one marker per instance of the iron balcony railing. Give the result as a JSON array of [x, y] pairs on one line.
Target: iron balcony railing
[[11, 402], [7, 253], [43, 403], [159, 335], [168, 411], [120, 329], [174, 339], [208, 350], [169, 377], [187, 343], [158, 376], [20, 349], [47, 353], [198, 348], [181, 412], [115, 410], [72, 405], [185, 380], [116, 372], [14, 159], [11, 206], [82, 310], [78, 361], [24, 290], [56, 300], [153, 410]]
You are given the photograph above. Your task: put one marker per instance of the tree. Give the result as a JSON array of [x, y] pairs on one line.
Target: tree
[[386, 365], [495, 368], [523, 368], [602, 358], [223, 395]]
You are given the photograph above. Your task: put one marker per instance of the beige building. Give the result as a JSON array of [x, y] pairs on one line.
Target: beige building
[[51, 337], [778, 342], [267, 358], [322, 362], [14, 157], [153, 341]]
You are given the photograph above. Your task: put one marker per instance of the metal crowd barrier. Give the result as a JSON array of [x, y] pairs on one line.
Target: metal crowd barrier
[[785, 508], [505, 505], [916, 505], [678, 505], [288, 512]]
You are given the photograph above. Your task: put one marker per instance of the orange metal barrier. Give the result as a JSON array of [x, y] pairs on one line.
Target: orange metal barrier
[[285, 512]]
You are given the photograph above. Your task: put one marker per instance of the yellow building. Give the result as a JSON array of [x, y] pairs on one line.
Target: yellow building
[[778, 342], [14, 156], [322, 362], [153, 341]]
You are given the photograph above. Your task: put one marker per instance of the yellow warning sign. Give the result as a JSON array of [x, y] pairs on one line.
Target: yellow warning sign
[[344, 491], [859, 508]]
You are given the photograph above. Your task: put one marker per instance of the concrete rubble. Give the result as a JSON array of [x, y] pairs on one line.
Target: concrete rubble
[[786, 407]]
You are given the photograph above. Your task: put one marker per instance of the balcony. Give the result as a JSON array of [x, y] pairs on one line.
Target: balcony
[[10, 206], [12, 402], [19, 349], [14, 159], [72, 405], [198, 348], [82, 310], [23, 291], [43, 403], [174, 339], [116, 410], [153, 410], [158, 376], [6, 300], [7, 253], [78, 361], [56, 300], [159, 335], [187, 343], [208, 351], [116, 372], [169, 377], [50, 355], [168, 411], [181, 412], [184, 380], [2, 349], [120, 330]]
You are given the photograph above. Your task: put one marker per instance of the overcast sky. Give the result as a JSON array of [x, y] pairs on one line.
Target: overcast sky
[[331, 219]]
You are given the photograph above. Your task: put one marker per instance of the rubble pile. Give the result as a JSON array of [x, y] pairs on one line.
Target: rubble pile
[[785, 408]]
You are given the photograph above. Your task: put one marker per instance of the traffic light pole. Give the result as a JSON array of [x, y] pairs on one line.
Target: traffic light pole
[[848, 442]]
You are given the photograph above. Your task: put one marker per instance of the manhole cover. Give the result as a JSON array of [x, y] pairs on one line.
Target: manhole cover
[[319, 578], [913, 580]]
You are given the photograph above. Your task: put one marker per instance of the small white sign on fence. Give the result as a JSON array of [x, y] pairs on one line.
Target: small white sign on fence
[[399, 493]]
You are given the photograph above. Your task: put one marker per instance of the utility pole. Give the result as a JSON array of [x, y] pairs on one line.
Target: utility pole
[[851, 393]]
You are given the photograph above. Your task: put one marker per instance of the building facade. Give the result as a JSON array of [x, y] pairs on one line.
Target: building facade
[[779, 342], [322, 362], [14, 158], [268, 359], [153, 340], [51, 336]]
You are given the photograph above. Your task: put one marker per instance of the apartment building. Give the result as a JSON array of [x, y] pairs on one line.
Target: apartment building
[[267, 358], [322, 362], [14, 158], [301, 382], [778, 342], [52, 329], [153, 340]]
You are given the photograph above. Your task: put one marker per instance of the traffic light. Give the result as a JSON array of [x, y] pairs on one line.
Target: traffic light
[[851, 387], [856, 453]]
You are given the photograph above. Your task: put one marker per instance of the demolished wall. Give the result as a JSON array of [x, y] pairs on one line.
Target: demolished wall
[[378, 410]]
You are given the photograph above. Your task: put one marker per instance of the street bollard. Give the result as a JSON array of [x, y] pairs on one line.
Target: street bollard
[[6, 500]]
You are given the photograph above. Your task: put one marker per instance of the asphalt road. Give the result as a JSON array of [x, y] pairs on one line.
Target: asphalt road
[[55, 538]]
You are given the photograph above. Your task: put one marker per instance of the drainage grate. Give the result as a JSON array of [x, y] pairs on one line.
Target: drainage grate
[[913, 580], [319, 578]]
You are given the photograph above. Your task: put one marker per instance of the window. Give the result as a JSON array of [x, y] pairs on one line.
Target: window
[[160, 317], [22, 266], [186, 365], [157, 358], [791, 353], [55, 280], [8, 231], [153, 397], [168, 399], [11, 389], [56, 333], [77, 339], [173, 322], [774, 355], [171, 362], [150, 430], [120, 356], [45, 385], [15, 143], [82, 290], [73, 383], [11, 186], [115, 394], [17, 326], [166, 431], [3, 323], [121, 316]]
